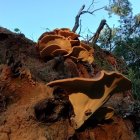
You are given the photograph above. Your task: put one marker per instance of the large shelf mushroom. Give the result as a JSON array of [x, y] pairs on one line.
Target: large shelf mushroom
[[66, 43], [88, 94]]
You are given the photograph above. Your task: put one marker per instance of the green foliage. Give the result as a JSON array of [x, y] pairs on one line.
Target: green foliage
[[106, 37], [103, 64], [125, 40], [135, 79], [17, 30], [103, 38], [127, 44], [137, 19], [119, 7]]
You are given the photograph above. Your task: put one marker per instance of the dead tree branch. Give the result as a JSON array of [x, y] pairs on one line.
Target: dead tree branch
[[96, 35], [80, 27], [81, 12], [76, 25]]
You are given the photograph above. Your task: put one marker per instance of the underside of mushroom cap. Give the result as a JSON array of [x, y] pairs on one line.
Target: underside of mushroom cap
[[89, 94], [47, 51], [90, 84], [75, 42], [47, 40], [76, 50], [104, 113], [55, 44], [82, 54], [59, 52]]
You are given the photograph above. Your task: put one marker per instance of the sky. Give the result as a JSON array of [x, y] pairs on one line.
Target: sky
[[33, 17]]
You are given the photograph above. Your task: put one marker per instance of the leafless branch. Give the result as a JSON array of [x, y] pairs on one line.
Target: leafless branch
[[91, 12], [80, 28], [76, 25], [96, 35], [81, 12], [90, 5], [90, 31]]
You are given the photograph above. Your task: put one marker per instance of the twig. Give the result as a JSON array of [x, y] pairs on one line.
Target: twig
[[90, 5], [91, 12]]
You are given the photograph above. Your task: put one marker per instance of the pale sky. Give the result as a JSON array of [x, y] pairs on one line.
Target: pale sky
[[32, 17]]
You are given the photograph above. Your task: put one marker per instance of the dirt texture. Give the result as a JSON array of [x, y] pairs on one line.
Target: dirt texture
[[30, 110]]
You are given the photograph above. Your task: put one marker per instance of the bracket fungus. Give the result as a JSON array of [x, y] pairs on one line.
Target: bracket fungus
[[104, 113], [66, 43], [87, 95]]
